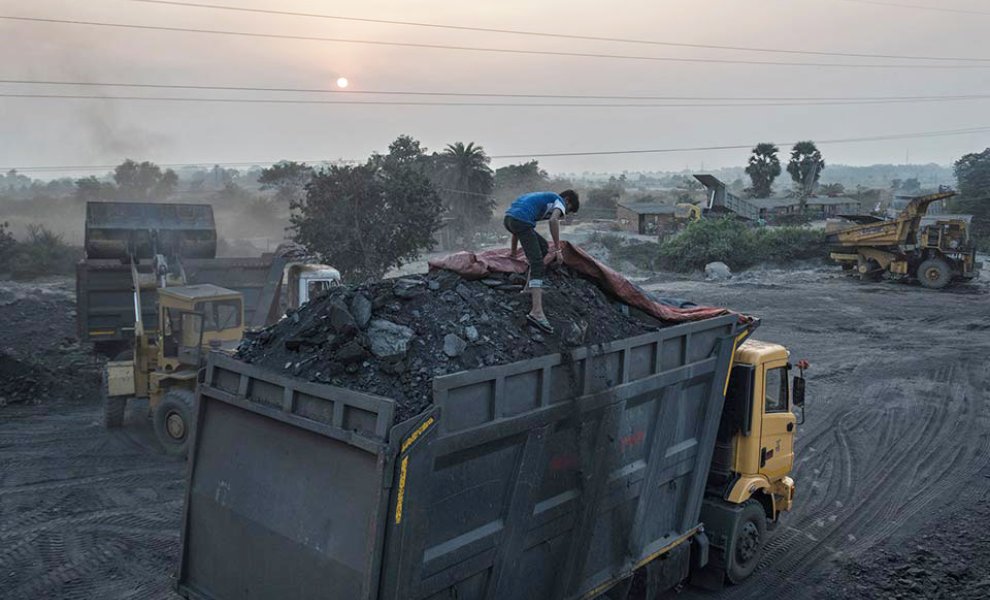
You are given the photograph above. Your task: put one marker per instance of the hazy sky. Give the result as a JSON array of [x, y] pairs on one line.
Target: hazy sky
[[41, 132]]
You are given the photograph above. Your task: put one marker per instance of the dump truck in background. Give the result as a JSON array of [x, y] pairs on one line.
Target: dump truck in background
[[181, 240], [932, 250], [661, 457]]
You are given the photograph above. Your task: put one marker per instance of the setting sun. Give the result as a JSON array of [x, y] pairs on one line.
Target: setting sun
[[342, 82]]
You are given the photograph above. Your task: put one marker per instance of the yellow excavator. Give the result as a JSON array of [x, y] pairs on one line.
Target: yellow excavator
[[932, 250]]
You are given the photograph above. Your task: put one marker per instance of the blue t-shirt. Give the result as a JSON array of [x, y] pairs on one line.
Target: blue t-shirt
[[536, 206]]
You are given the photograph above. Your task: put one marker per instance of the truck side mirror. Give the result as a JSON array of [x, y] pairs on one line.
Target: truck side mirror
[[797, 396]]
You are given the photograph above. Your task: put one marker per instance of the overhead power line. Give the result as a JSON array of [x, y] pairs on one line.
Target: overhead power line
[[550, 34], [187, 99], [719, 98], [490, 50], [944, 9], [851, 140], [877, 138]]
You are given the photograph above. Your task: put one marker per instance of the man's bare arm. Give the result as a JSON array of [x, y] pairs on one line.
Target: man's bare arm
[[515, 244], [555, 233]]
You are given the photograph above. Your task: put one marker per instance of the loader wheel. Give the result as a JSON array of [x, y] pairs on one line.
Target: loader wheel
[[113, 406], [750, 532], [934, 273], [173, 421]]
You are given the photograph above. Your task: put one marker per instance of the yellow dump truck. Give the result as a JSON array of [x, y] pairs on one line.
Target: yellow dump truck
[[618, 470], [932, 250]]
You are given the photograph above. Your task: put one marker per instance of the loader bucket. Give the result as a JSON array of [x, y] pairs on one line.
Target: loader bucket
[[118, 230]]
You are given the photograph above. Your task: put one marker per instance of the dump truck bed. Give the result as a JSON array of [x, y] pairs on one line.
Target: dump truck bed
[[553, 477], [105, 300]]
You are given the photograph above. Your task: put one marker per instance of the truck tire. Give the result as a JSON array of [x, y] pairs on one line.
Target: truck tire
[[870, 270], [750, 532], [113, 406], [173, 421], [934, 273]]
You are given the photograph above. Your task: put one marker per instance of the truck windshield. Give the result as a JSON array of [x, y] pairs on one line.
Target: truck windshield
[[219, 314]]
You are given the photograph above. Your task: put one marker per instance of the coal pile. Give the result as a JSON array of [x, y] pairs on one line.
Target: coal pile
[[41, 360], [392, 337]]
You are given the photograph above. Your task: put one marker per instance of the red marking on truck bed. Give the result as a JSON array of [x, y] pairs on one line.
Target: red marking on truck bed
[[632, 439]]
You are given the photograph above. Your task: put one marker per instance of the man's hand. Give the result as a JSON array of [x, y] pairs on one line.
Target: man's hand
[[558, 258]]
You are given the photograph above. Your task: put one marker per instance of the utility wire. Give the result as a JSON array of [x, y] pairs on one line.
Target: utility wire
[[962, 11], [900, 136], [459, 104], [488, 49], [719, 98], [550, 34], [851, 140]]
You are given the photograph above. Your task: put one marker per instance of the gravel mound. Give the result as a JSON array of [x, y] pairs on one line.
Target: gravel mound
[[392, 337]]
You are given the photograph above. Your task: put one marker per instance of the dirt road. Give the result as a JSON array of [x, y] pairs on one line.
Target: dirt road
[[897, 437], [893, 475]]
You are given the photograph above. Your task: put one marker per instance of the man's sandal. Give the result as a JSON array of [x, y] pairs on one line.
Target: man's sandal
[[541, 324]]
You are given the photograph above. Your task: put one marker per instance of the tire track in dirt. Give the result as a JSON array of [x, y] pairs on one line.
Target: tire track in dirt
[[890, 477], [85, 513], [898, 424]]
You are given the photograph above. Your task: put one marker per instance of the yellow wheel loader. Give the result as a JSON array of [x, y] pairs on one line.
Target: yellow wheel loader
[[192, 320]]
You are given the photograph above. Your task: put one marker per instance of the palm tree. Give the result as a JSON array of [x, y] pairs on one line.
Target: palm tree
[[466, 183], [805, 167], [763, 168]]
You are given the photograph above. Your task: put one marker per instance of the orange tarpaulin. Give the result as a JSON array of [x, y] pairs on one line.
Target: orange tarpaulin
[[471, 265]]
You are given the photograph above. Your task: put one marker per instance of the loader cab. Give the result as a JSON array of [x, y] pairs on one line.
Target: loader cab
[[756, 435], [194, 320]]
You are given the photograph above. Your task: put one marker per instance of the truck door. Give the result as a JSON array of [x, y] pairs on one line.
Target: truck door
[[777, 432]]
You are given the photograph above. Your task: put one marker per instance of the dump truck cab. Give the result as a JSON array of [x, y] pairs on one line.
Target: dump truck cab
[[948, 236], [749, 483], [305, 281]]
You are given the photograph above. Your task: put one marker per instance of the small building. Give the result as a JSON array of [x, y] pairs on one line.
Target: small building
[[645, 218], [818, 207], [830, 206]]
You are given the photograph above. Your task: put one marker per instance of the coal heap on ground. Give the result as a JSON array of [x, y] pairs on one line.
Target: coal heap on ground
[[392, 337], [41, 360]]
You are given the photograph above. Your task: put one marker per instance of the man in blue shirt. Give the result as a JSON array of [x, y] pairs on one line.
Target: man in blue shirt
[[521, 220]]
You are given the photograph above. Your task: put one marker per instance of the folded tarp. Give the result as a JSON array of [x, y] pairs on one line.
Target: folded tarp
[[471, 265]]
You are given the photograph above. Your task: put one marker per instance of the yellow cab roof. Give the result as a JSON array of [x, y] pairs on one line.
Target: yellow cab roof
[[200, 291], [753, 352]]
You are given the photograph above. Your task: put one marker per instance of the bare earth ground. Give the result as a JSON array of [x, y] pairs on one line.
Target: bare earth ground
[[893, 474]]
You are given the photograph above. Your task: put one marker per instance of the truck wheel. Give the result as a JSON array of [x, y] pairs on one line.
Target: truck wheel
[[113, 406], [173, 421], [934, 273], [870, 270], [750, 532]]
